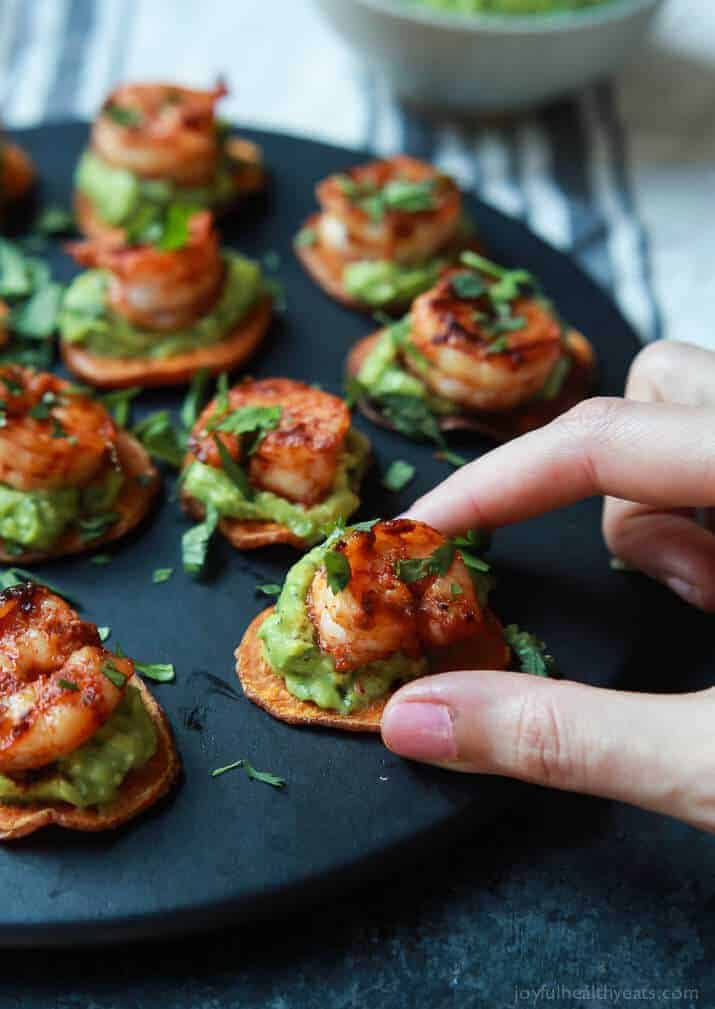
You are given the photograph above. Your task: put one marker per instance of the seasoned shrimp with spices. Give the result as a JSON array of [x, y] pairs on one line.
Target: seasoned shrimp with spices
[[296, 441], [160, 131], [157, 289], [50, 435], [17, 173], [58, 685], [408, 591], [474, 359], [398, 209]]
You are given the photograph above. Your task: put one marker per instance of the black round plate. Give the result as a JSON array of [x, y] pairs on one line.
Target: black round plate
[[228, 846]]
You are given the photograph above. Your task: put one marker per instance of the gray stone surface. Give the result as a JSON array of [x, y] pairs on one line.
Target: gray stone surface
[[566, 891]]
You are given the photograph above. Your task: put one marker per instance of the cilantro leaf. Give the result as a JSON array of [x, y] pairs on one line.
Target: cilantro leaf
[[411, 416], [235, 472], [337, 569], [160, 672], [55, 220], [113, 674], [123, 115], [37, 318], [67, 684], [398, 475], [437, 563], [160, 438], [530, 651], [194, 398], [269, 589], [468, 285], [119, 403], [161, 575], [195, 542], [263, 776], [104, 633], [555, 382], [94, 526]]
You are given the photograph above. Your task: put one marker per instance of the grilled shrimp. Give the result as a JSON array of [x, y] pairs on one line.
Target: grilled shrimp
[[298, 458], [160, 131], [155, 289], [50, 436], [57, 682], [393, 231], [378, 612], [466, 365], [16, 171]]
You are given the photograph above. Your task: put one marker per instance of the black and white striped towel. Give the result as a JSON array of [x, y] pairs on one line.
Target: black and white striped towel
[[564, 170]]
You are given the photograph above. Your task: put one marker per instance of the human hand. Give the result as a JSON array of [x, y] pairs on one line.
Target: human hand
[[653, 454]]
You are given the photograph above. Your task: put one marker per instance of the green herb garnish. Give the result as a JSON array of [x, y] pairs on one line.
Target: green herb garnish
[[194, 398], [122, 115], [95, 526], [264, 776], [337, 570], [235, 472], [530, 651], [416, 568], [269, 589], [411, 416], [453, 458], [119, 403], [55, 220], [195, 542], [67, 685], [306, 236], [113, 675], [161, 575], [104, 633], [555, 382], [160, 438], [468, 285], [101, 560], [160, 672], [398, 475]]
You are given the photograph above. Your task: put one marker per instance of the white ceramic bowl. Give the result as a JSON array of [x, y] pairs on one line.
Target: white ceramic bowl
[[489, 63]]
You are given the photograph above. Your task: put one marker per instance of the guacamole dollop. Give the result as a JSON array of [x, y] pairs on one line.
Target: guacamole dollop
[[121, 198], [93, 774], [213, 486], [381, 282], [516, 7], [292, 652], [35, 520], [86, 319], [383, 374]]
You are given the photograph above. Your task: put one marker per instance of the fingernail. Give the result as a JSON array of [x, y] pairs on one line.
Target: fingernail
[[690, 593], [420, 731]]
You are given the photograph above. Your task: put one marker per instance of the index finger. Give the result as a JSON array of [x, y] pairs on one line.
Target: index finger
[[655, 453]]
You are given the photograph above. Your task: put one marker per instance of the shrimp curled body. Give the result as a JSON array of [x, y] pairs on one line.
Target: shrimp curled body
[[160, 131], [298, 458], [54, 691], [377, 613], [463, 364], [51, 436], [349, 230], [159, 290]]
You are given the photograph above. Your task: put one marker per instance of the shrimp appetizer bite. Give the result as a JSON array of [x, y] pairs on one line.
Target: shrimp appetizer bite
[[158, 306], [83, 744], [70, 479], [385, 232], [275, 461], [482, 349], [17, 174], [371, 608], [154, 145]]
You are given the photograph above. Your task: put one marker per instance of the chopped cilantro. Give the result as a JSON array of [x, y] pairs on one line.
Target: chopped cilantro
[[113, 675], [438, 563], [398, 475], [263, 776], [530, 651], [122, 115], [160, 438], [194, 398], [67, 684], [161, 575], [160, 672], [269, 589], [55, 220], [195, 542], [119, 403], [337, 569], [95, 526], [104, 633], [233, 470]]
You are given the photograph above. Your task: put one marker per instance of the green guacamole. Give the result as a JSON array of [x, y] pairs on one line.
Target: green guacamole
[[93, 774], [213, 486], [382, 282], [291, 651], [121, 198], [516, 7], [86, 319], [35, 520]]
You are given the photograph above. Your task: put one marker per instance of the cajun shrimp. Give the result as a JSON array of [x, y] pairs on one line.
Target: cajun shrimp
[[383, 609], [156, 289], [298, 458], [465, 366], [160, 131], [58, 685], [405, 230], [50, 436], [16, 172]]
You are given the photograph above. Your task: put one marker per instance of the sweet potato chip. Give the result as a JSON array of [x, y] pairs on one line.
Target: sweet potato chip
[[120, 373], [132, 505], [268, 690], [578, 385], [139, 790]]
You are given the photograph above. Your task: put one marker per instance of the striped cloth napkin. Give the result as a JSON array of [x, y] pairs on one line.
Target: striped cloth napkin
[[581, 173]]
